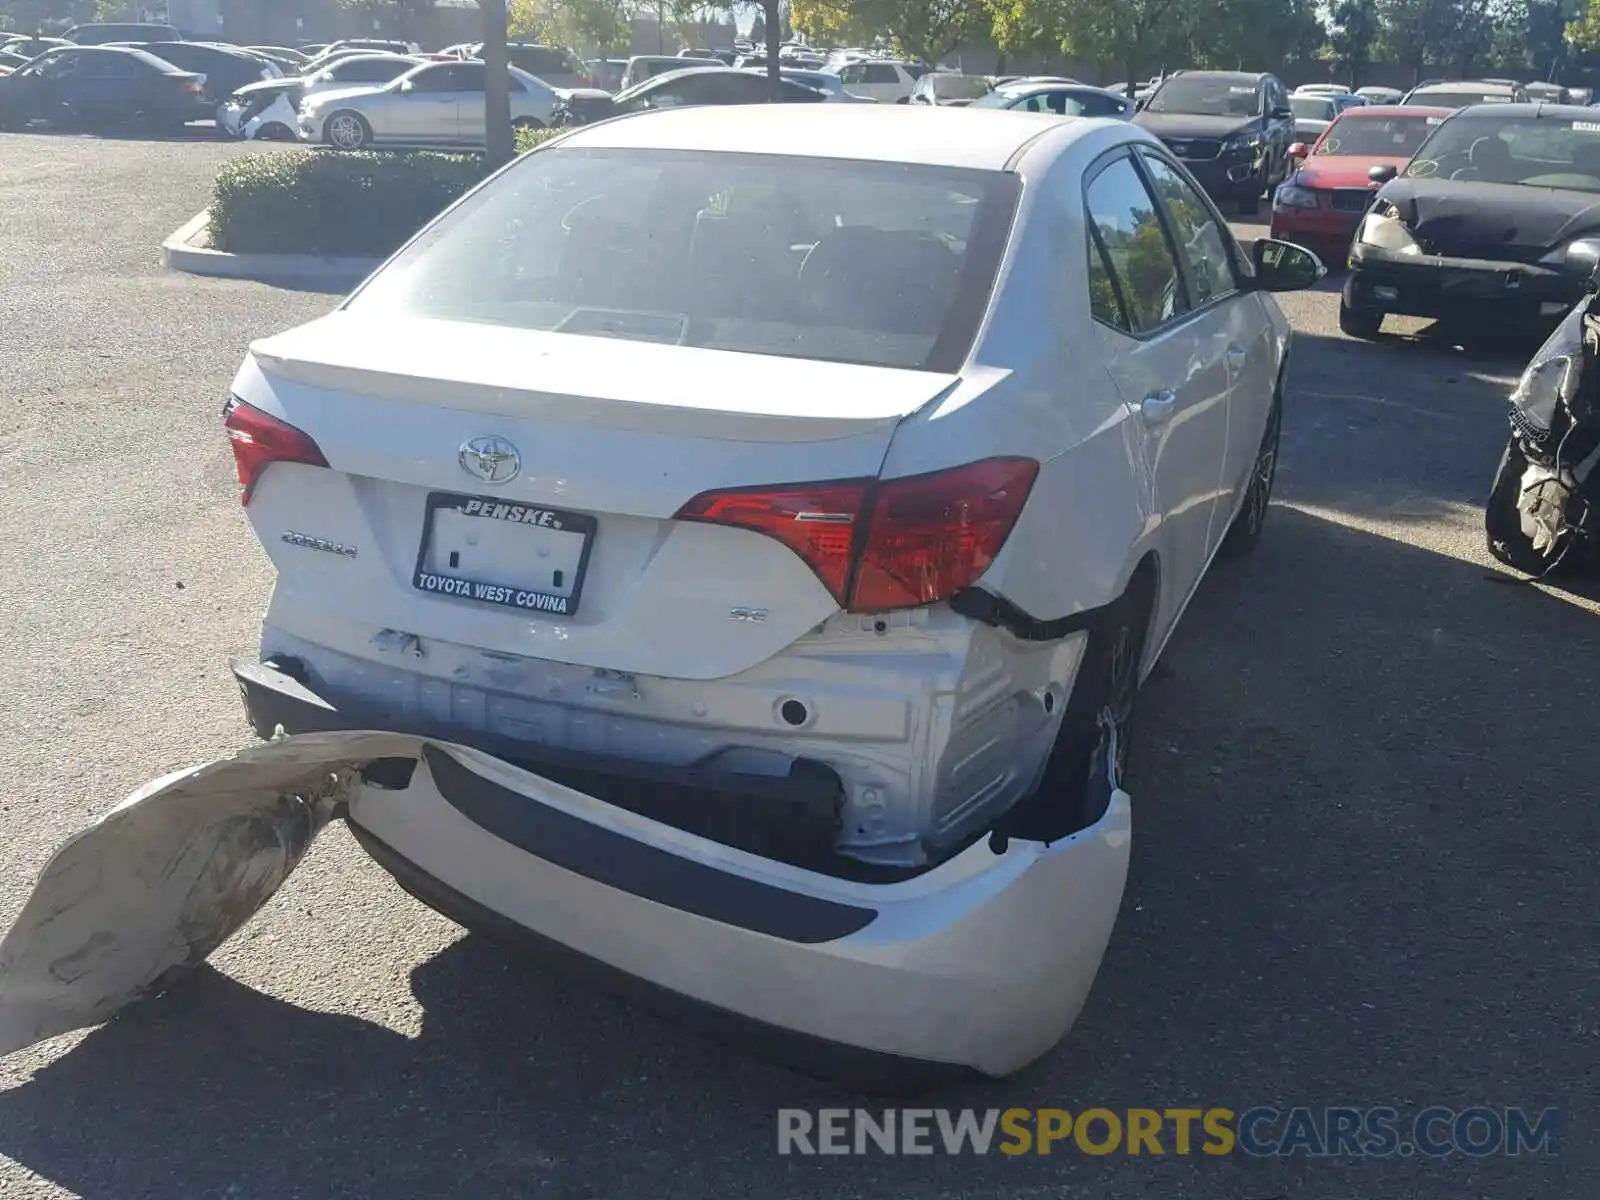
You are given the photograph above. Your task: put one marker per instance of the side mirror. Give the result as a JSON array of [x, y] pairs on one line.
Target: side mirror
[[1285, 267], [408, 86], [1282, 114], [1381, 174], [1299, 150]]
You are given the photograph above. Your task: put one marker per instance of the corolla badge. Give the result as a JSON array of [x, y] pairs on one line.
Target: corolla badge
[[489, 458]]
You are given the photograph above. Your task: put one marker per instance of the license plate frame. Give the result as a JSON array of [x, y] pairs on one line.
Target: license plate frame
[[527, 600]]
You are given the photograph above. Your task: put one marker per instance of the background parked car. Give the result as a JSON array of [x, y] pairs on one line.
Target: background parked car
[[225, 71], [1322, 203], [1550, 93], [556, 65], [357, 70], [436, 104], [607, 73], [31, 47], [949, 88], [1313, 112], [267, 111], [98, 34], [679, 89], [1064, 100], [1380, 95], [101, 85], [1231, 129], [885, 80], [1461, 93], [648, 66], [12, 61], [284, 53], [1496, 220], [826, 82]]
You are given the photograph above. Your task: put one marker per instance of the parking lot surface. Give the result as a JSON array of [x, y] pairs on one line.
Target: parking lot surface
[[1365, 856]]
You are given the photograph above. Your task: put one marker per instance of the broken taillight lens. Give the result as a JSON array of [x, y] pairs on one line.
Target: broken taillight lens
[[260, 439], [882, 545]]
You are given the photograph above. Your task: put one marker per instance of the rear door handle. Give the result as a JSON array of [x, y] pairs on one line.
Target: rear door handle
[[1157, 408]]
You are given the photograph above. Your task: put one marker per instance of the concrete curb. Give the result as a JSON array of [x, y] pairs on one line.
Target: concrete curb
[[188, 250]]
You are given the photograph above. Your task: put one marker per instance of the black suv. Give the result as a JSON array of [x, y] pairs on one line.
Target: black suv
[[1232, 130]]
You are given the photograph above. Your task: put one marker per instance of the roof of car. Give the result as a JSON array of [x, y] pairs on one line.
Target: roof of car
[[1364, 111], [1466, 85], [1252, 76], [1023, 87], [1534, 108], [936, 136]]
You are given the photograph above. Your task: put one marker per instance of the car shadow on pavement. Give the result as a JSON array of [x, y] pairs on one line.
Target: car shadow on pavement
[[1360, 852]]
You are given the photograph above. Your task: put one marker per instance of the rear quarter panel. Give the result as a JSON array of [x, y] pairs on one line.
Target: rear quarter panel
[[1036, 386]]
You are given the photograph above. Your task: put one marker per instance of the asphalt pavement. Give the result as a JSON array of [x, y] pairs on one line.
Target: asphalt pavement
[[1364, 870]]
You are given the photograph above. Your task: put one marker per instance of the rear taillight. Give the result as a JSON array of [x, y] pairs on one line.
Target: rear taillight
[[585, 81], [259, 439], [193, 87], [881, 545]]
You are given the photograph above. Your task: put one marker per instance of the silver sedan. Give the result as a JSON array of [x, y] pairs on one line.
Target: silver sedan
[[438, 104]]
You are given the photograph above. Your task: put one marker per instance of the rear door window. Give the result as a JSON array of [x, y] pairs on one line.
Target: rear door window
[[1143, 261], [1198, 230]]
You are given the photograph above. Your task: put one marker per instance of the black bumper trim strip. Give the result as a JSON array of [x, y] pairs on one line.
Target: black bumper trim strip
[[642, 870]]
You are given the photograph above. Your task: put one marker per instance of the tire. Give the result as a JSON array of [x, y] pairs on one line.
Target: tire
[[276, 131], [1362, 323], [1244, 535], [1092, 747], [347, 130]]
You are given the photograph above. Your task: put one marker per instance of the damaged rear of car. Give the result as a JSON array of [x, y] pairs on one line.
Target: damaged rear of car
[[721, 566]]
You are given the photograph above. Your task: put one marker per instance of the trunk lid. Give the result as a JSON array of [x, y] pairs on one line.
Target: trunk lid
[[609, 436]]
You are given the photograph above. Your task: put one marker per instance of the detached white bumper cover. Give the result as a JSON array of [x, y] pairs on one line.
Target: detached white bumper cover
[[982, 962]]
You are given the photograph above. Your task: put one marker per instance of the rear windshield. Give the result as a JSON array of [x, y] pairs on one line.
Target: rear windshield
[[832, 259], [1532, 151], [1377, 137], [1216, 96]]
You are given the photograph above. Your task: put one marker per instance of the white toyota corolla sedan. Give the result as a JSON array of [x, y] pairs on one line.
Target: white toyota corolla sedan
[[759, 520]]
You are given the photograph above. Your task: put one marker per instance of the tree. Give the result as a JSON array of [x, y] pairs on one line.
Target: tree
[[603, 24], [1353, 36], [1136, 35], [926, 29]]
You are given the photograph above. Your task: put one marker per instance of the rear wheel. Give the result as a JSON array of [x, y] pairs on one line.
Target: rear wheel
[[347, 130], [1245, 533], [1091, 752], [1363, 323]]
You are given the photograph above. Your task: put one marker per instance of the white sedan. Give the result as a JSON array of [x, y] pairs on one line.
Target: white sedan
[[743, 562], [437, 104]]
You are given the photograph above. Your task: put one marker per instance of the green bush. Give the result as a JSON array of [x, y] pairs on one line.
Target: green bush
[[361, 205]]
